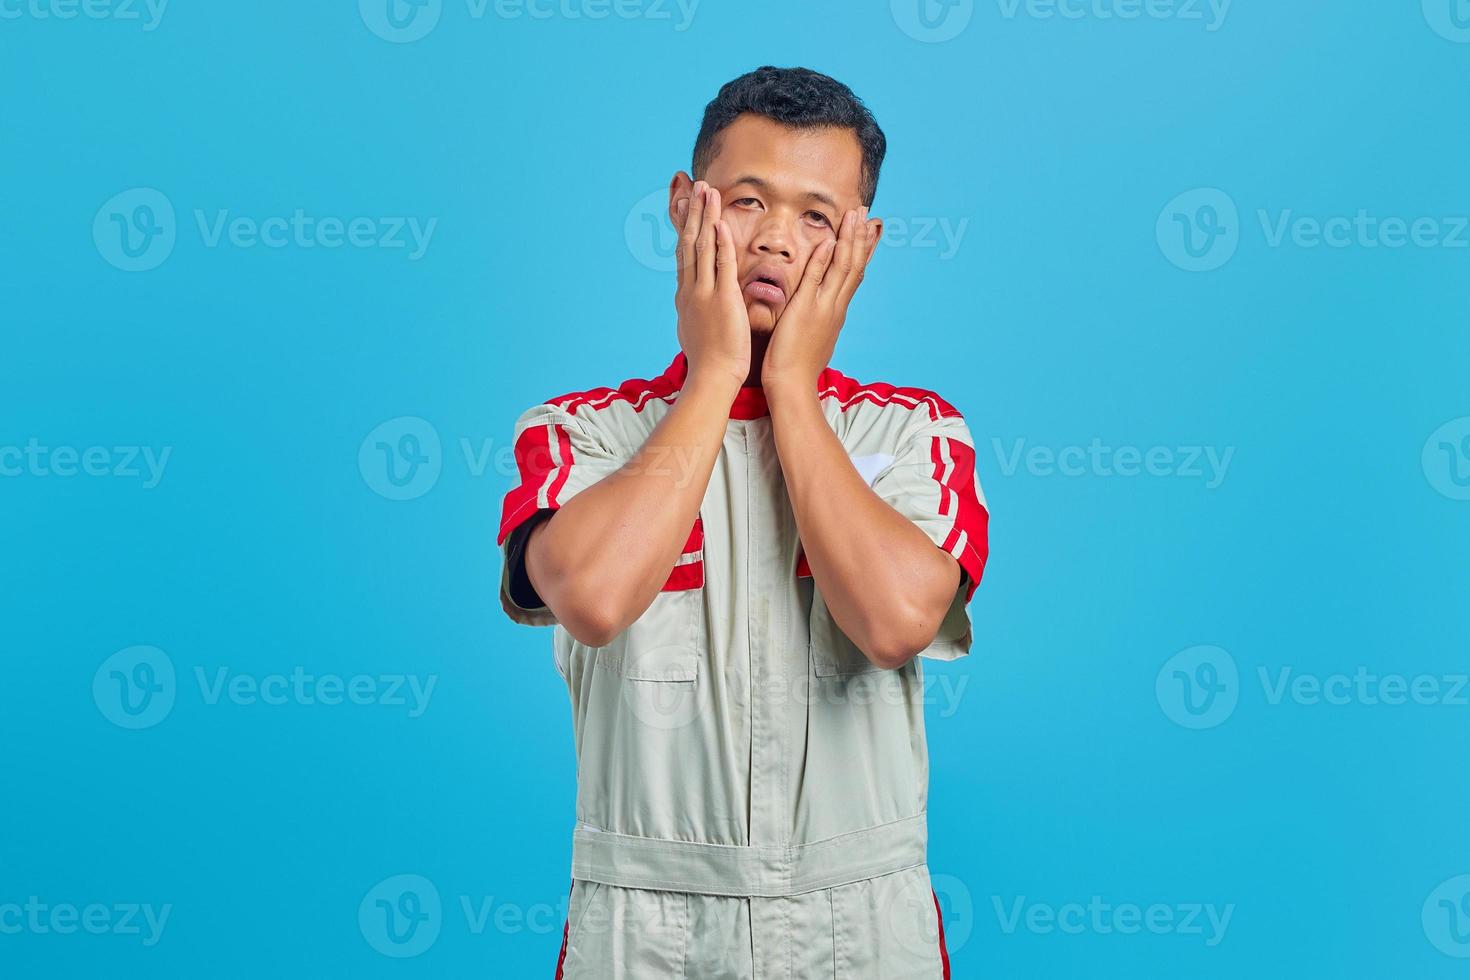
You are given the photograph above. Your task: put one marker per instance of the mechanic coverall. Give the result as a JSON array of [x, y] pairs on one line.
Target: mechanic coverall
[[750, 788]]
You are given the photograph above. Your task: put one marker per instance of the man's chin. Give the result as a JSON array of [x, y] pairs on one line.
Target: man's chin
[[762, 317]]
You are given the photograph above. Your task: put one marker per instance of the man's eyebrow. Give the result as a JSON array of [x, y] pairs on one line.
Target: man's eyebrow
[[760, 184]]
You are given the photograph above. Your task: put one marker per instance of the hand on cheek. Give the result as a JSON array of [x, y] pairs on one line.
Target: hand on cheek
[[714, 325], [806, 333]]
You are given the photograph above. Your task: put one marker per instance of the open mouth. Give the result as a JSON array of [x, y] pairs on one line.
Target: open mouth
[[766, 288]]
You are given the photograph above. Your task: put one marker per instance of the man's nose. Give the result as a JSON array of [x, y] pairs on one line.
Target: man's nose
[[772, 237]]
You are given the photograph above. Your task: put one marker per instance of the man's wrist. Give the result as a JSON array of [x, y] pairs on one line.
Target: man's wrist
[[784, 395], [713, 385]]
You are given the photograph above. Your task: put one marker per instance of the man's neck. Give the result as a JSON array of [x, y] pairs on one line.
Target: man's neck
[[758, 342]]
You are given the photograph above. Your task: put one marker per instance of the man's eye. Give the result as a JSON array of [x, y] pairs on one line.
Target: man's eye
[[744, 200], [819, 218]]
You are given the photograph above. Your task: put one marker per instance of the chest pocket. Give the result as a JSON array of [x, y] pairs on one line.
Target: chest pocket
[[832, 652], [665, 643]]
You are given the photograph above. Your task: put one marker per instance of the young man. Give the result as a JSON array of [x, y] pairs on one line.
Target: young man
[[743, 557]]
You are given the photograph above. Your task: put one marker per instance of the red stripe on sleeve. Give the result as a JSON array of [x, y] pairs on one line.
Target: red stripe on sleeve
[[934, 454], [564, 465], [970, 516], [534, 462]]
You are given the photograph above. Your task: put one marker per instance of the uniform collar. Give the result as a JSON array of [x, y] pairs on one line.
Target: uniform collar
[[750, 402]]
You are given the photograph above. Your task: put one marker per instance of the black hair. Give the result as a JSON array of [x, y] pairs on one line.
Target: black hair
[[796, 97]]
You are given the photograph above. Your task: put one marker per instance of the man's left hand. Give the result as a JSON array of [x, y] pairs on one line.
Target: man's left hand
[[805, 336]]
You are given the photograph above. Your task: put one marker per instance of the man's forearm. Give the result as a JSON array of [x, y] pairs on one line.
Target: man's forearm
[[885, 582], [601, 559]]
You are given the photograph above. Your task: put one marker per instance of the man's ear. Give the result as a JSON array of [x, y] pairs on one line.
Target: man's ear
[[679, 187]]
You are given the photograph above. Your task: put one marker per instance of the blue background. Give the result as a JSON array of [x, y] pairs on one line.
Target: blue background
[[1062, 316]]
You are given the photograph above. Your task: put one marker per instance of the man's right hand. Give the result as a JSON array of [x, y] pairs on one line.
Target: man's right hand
[[714, 328], [601, 559]]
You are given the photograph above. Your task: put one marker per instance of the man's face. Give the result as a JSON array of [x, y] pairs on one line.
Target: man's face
[[783, 192]]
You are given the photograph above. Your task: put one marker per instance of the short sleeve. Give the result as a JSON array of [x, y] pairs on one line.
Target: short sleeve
[[557, 456], [932, 481]]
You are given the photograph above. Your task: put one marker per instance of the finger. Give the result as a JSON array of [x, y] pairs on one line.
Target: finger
[[836, 277], [705, 247], [681, 210], [875, 232], [869, 234], [814, 273], [727, 271], [866, 239], [692, 219]]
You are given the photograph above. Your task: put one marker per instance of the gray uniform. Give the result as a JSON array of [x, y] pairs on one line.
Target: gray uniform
[[750, 789]]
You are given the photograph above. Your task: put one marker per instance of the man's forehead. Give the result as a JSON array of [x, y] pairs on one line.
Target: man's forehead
[[827, 160]]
